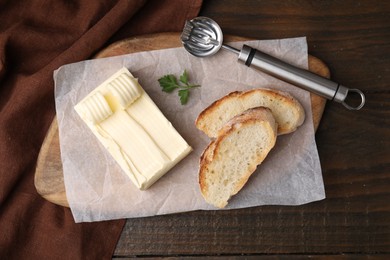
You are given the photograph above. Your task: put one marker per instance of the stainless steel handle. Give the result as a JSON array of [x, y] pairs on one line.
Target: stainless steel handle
[[299, 77]]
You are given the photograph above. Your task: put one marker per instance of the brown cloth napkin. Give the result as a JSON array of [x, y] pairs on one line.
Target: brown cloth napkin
[[37, 37]]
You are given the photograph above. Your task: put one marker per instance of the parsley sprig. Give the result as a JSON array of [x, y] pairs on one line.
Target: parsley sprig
[[169, 83]]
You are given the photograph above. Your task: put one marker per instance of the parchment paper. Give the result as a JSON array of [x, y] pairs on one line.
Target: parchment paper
[[96, 187]]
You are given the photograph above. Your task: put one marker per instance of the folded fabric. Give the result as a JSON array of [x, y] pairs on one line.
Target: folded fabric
[[35, 39]]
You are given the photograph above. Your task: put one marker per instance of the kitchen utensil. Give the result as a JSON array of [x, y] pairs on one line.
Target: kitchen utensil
[[203, 37]]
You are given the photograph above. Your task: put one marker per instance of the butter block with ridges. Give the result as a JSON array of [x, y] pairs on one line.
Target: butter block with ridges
[[133, 129]]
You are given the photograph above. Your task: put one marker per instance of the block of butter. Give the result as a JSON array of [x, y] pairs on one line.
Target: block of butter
[[132, 128]]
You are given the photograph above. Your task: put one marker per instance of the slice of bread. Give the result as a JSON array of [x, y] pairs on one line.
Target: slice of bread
[[288, 112], [229, 160]]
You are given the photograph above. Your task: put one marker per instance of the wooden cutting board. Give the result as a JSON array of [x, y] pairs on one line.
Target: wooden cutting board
[[49, 180]]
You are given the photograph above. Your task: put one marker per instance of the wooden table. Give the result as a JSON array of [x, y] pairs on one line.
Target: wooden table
[[353, 39]]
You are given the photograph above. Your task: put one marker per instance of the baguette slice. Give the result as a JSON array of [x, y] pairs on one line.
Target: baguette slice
[[229, 160], [288, 112]]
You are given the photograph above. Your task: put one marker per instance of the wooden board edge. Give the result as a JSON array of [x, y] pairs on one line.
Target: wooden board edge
[[40, 182], [318, 104]]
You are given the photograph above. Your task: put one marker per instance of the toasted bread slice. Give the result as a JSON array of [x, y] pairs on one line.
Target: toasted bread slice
[[229, 160], [288, 112]]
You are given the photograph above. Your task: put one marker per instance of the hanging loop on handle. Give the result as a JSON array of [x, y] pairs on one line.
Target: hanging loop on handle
[[299, 77], [203, 37], [362, 102]]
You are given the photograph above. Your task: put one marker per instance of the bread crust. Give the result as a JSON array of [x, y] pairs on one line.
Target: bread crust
[[259, 115], [278, 101], [211, 108]]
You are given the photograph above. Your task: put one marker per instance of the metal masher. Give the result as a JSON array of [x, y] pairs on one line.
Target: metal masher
[[203, 37]]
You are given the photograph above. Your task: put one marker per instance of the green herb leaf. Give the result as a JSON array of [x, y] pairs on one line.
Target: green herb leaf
[[168, 83], [184, 78], [183, 94]]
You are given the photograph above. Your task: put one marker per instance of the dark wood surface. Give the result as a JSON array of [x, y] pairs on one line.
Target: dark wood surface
[[353, 39]]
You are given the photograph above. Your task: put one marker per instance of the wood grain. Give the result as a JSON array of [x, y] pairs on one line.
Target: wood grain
[[49, 180], [353, 222]]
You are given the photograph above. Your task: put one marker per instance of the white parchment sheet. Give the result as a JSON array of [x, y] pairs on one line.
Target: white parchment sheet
[[96, 187]]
